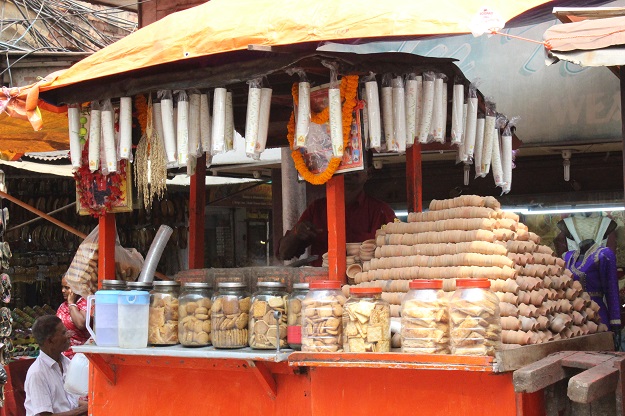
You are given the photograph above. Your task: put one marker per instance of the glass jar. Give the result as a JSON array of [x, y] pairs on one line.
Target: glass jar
[[146, 286], [322, 311], [268, 316], [475, 325], [113, 284], [163, 325], [425, 318], [229, 315], [294, 312], [194, 328], [366, 321]]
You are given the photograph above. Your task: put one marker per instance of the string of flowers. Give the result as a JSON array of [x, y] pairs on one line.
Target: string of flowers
[[141, 107], [349, 89], [88, 183]]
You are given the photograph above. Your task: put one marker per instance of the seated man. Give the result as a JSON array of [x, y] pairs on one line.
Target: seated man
[[45, 394], [364, 215]]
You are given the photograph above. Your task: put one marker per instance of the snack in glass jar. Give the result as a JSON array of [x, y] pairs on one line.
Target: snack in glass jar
[[268, 316], [366, 321], [322, 311], [229, 315]]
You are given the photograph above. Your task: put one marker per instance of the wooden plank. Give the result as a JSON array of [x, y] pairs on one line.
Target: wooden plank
[[540, 374], [414, 178], [197, 203], [515, 358], [594, 383], [586, 360], [264, 377]]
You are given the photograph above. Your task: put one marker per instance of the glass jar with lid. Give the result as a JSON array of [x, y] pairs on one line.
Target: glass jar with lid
[[229, 315], [146, 286], [475, 325], [194, 327], [366, 321], [267, 325], [425, 318], [294, 313], [322, 314], [163, 324], [113, 284]]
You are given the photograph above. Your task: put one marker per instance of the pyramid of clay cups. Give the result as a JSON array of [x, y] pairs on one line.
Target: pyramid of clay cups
[[471, 237]]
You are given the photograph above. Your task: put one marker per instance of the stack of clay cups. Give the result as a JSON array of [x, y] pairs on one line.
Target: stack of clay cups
[[324, 260], [367, 250]]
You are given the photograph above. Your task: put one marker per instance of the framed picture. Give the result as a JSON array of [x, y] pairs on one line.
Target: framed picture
[[98, 190], [318, 151]]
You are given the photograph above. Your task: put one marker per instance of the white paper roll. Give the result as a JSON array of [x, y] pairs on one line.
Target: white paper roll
[[303, 115], [205, 123], [462, 150], [219, 121], [182, 132], [479, 144], [73, 116], [194, 125], [108, 135], [444, 111], [387, 116], [251, 120], [229, 123], [336, 121], [125, 127], [95, 131], [470, 127], [425, 123], [487, 149], [373, 113], [496, 163], [419, 107], [456, 114], [169, 134], [506, 161], [365, 119], [411, 111], [263, 122], [399, 120], [437, 118]]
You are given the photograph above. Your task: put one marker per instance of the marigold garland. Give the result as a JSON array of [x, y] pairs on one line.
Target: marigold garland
[[349, 89], [141, 107]]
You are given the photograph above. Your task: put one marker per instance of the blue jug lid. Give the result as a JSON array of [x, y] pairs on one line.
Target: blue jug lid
[[134, 297], [107, 296]]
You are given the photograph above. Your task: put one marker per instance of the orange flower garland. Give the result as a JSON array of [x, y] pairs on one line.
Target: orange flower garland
[[349, 89], [141, 107]]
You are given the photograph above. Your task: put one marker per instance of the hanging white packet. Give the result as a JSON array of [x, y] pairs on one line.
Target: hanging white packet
[[479, 143], [108, 135], [263, 123], [496, 159], [437, 117], [253, 115], [182, 127], [219, 121], [373, 112], [95, 131], [229, 123], [425, 123], [445, 104], [302, 118], [489, 130], [167, 119], [194, 148], [457, 128], [73, 116], [419, 108], [205, 123], [470, 129], [399, 116], [387, 111], [411, 108], [364, 117], [125, 128], [335, 105], [506, 154]]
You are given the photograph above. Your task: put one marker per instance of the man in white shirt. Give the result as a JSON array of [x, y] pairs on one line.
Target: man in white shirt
[[45, 394]]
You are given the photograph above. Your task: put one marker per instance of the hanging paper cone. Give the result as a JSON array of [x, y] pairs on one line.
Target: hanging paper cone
[[205, 123], [169, 133], [125, 127], [373, 115], [194, 125], [487, 149], [108, 136], [263, 122], [303, 115], [479, 145], [251, 119], [229, 123], [425, 122], [95, 131], [437, 118], [387, 115], [182, 131], [399, 116], [219, 121], [336, 121], [73, 116], [411, 111], [456, 114]]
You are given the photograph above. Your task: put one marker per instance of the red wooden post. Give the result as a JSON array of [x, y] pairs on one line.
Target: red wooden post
[[106, 248], [335, 193], [197, 198], [414, 178]]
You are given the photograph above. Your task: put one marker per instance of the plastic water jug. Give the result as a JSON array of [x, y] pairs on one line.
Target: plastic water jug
[[105, 317], [133, 314]]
